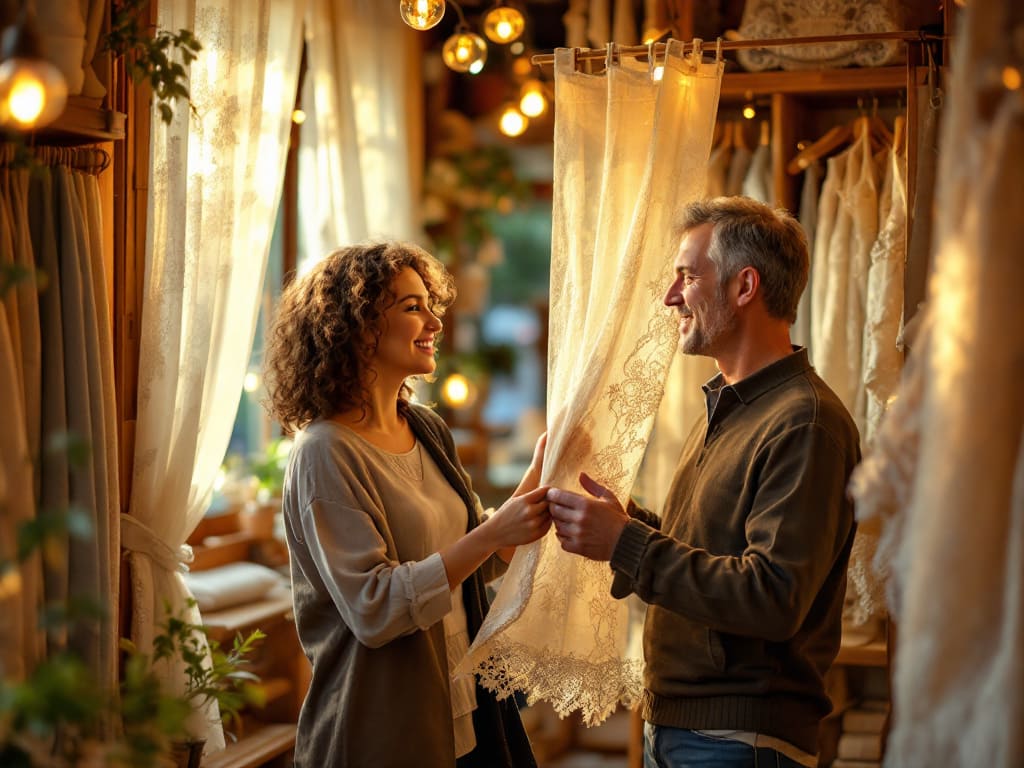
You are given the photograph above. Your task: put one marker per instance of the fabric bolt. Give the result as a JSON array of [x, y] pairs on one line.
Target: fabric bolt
[[629, 151], [952, 441]]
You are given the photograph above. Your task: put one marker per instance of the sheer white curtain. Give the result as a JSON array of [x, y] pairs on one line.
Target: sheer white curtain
[[946, 472], [630, 149], [363, 73], [216, 181]]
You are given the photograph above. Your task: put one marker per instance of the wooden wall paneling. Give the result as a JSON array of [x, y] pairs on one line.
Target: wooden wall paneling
[[787, 116]]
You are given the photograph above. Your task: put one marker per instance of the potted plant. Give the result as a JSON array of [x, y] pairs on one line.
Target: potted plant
[[214, 674]]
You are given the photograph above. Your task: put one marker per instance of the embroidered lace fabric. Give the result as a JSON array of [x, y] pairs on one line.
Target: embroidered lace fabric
[[946, 472], [629, 150], [768, 19]]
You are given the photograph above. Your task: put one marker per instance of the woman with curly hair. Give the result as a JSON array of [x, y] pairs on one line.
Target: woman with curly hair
[[389, 547]]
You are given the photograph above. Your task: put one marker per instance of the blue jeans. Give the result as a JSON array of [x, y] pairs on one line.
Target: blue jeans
[[666, 747]]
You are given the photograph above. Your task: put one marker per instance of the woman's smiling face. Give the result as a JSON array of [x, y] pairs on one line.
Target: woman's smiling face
[[409, 330]]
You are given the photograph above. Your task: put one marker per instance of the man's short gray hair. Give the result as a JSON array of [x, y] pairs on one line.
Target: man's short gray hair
[[747, 233]]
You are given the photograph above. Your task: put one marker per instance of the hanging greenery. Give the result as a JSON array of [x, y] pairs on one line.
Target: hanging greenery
[[151, 55]]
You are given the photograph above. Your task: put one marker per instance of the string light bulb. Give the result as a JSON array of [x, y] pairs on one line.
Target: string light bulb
[[464, 51], [532, 101], [512, 122], [458, 391], [504, 23], [32, 90], [749, 112], [421, 14]]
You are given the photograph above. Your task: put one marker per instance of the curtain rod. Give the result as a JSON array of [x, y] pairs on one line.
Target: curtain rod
[[92, 160], [906, 36]]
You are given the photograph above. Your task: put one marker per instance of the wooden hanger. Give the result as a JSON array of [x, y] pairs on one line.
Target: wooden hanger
[[832, 140], [766, 134], [725, 136]]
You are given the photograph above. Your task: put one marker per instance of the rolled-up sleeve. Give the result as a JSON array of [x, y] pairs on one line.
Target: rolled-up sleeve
[[379, 598]]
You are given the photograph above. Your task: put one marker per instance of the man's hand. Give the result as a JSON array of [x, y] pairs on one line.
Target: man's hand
[[587, 525]]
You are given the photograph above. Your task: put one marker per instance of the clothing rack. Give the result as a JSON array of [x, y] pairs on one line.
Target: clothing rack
[[658, 49], [94, 160]]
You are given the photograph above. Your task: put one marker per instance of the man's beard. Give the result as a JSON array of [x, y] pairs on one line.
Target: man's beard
[[707, 325]]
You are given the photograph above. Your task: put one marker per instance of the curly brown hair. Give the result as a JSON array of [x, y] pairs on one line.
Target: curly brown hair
[[328, 325]]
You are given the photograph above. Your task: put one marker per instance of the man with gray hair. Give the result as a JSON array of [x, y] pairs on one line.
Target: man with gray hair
[[745, 573]]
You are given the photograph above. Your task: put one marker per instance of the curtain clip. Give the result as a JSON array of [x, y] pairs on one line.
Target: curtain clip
[[718, 49], [610, 57], [696, 51]]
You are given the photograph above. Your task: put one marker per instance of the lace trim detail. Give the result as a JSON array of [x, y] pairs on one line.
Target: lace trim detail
[[598, 690]]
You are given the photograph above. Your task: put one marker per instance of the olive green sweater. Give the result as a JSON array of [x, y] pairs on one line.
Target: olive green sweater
[[746, 578]]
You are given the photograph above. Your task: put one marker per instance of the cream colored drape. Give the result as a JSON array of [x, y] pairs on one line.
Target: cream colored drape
[[946, 472], [358, 163], [216, 183], [629, 151]]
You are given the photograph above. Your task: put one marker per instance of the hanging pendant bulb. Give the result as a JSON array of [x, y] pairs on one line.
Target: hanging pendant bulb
[[421, 14], [464, 51], [503, 23], [32, 90], [532, 100], [512, 122]]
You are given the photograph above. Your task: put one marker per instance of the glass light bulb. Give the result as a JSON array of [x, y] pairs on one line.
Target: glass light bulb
[[512, 122], [421, 14], [503, 24], [32, 93], [464, 52], [532, 101]]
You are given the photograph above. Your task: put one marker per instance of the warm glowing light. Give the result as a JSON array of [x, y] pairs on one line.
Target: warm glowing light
[[421, 14], [517, 48], [1011, 78], [512, 122], [532, 101], [521, 67], [32, 92], [503, 24], [464, 52], [457, 391], [659, 72], [749, 112], [251, 382], [298, 116]]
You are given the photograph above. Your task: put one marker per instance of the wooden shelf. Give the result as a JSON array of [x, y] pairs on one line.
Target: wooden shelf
[[740, 85], [83, 121], [255, 748]]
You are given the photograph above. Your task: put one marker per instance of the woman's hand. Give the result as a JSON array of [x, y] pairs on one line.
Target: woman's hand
[[531, 479], [520, 520]]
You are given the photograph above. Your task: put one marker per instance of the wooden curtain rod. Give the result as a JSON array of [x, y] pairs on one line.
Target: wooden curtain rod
[[906, 36]]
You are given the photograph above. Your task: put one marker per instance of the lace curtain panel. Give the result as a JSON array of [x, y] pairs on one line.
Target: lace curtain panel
[[946, 473], [629, 151], [216, 183], [356, 155]]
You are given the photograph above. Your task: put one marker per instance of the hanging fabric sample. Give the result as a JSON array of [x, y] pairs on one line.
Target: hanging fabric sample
[[946, 473], [629, 151]]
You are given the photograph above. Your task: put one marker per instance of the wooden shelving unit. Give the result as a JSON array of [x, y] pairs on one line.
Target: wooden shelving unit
[[83, 121], [833, 82]]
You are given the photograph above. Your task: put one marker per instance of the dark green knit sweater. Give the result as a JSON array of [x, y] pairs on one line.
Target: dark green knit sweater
[[747, 575]]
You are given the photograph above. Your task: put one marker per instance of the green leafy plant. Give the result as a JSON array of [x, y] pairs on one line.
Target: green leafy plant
[[149, 53], [213, 672]]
